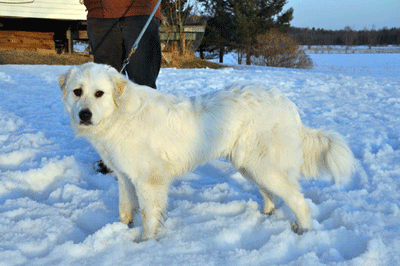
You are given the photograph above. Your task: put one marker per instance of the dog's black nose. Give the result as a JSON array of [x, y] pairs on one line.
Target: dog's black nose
[[85, 115]]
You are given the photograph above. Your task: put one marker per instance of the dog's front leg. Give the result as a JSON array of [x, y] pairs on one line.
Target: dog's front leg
[[128, 202], [153, 199]]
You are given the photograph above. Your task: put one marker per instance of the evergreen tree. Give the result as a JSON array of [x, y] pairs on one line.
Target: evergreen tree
[[220, 26], [239, 22], [256, 17]]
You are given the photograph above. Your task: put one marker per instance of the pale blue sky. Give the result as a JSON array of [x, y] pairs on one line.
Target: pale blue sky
[[337, 14]]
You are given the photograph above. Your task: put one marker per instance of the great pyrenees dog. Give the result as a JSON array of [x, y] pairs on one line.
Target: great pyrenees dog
[[149, 138]]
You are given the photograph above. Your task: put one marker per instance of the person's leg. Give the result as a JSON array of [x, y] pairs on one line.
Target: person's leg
[[108, 42], [145, 63]]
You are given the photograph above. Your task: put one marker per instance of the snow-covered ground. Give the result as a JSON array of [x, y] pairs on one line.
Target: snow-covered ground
[[55, 210]]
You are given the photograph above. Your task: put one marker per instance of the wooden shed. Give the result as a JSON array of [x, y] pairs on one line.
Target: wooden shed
[[43, 9]]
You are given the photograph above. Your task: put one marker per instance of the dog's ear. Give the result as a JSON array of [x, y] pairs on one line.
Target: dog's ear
[[120, 84], [119, 89], [123, 92], [63, 80]]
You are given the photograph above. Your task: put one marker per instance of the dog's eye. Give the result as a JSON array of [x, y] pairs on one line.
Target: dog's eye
[[78, 92], [98, 94]]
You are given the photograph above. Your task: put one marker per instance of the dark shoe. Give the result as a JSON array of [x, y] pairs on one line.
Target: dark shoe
[[100, 167]]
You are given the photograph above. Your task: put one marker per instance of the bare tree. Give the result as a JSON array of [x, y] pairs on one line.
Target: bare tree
[[176, 13]]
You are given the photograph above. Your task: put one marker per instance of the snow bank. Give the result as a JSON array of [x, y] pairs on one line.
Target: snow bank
[[55, 210]]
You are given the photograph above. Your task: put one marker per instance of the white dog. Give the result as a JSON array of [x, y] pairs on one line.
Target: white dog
[[148, 138]]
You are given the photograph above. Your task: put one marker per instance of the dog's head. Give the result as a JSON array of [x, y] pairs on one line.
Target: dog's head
[[91, 93]]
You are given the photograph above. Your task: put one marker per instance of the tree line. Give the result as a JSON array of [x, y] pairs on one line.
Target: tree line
[[346, 37]]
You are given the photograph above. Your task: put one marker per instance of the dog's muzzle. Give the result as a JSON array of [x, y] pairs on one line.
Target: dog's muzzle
[[86, 117]]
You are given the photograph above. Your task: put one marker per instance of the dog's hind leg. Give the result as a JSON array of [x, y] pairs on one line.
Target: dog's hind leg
[[278, 184], [268, 206]]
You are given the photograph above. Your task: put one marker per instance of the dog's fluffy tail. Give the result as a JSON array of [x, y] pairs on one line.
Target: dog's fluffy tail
[[326, 153]]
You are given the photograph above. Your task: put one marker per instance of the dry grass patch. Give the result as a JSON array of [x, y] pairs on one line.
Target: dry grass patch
[[25, 57]]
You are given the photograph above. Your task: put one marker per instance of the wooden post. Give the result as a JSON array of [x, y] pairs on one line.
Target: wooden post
[[70, 47]]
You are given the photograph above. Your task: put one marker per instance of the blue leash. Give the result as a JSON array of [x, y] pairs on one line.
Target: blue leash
[[136, 44]]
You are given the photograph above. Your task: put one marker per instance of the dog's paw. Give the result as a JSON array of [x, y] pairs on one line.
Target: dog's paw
[[146, 235], [126, 219], [269, 212], [298, 230], [145, 238]]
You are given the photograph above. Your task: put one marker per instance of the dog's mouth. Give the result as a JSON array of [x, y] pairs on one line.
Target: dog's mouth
[[86, 123]]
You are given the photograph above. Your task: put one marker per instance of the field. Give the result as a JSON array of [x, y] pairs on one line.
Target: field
[[55, 210]]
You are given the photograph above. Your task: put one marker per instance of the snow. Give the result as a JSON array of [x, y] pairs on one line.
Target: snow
[[55, 210]]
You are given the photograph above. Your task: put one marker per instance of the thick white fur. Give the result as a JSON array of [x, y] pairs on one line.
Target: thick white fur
[[148, 138]]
